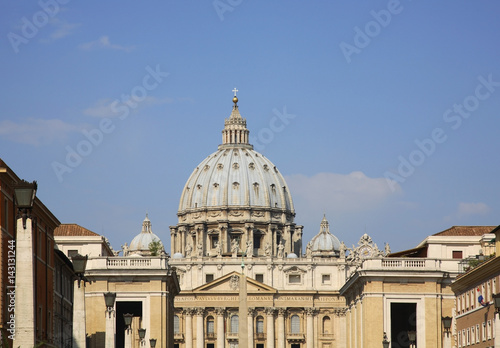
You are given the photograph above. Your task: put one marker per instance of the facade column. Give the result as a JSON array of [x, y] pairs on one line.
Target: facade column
[[270, 327], [188, 313], [310, 312], [110, 330], [24, 292], [79, 333], [251, 312], [220, 327], [281, 327], [200, 339]]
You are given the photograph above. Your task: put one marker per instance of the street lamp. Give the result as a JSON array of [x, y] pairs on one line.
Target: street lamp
[[79, 265], [109, 299], [412, 337], [152, 342], [447, 323], [142, 334], [496, 302], [128, 320], [385, 341], [24, 194]]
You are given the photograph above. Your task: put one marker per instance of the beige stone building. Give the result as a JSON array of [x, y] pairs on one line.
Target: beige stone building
[[410, 290]]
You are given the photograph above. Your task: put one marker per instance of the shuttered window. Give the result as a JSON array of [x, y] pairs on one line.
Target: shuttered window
[[234, 323], [295, 321]]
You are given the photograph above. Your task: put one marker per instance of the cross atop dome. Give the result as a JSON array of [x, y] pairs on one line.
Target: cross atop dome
[[235, 98]]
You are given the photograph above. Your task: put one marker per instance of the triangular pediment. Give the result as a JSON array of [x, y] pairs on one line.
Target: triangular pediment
[[229, 283]]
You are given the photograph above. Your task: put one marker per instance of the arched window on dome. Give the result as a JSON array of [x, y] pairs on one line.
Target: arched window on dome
[[234, 323], [327, 325]]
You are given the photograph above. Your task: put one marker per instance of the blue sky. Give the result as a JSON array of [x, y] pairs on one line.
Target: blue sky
[[383, 115]]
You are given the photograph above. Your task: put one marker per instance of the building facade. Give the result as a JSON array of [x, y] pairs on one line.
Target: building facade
[[236, 219], [475, 321]]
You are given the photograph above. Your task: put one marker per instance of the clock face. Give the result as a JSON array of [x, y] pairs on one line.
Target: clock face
[[365, 251]]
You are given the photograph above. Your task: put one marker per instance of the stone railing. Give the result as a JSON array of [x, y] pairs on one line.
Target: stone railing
[[413, 264], [127, 263]]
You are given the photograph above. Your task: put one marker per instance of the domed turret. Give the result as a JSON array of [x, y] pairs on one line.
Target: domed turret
[[140, 243], [325, 243]]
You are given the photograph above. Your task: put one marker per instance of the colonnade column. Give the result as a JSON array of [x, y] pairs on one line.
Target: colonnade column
[[220, 327], [251, 312], [270, 327], [281, 327], [310, 312], [200, 339], [188, 312]]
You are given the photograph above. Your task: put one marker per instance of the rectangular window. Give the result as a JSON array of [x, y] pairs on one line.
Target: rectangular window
[[468, 337], [478, 334], [259, 278], [325, 278], [484, 331], [209, 278], [489, 329], [294, 278], [472, 335], [457, 254]]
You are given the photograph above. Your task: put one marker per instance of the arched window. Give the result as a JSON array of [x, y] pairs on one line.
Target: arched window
[[260, 325], [295, 321], [210, 325], [234, 324], [327, 326], [176, 324]]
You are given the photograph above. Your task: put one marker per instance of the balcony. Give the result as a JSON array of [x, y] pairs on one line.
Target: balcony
[[232, 336], [211, 335], [326, 336], [260, 336], [178, 337], [295, 337]]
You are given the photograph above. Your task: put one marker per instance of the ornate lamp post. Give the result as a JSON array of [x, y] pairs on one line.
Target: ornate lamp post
[[79, 333], [109, 299], [385, 341], [496, 302], [24, 309], [152, 342], [142, 335], [128, 321]]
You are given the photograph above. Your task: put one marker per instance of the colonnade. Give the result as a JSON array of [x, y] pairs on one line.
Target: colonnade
[[275, 329]]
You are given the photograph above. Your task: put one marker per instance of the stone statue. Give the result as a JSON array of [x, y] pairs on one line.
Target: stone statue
[[387, 250], [199, 249], [189, 249], [234, 247], [249, 251], [342, 251], [309, 250], [267, 249], [218, 248], [281, 249], [125, 249]]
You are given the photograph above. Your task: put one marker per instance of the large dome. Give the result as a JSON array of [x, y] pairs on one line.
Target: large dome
[[236, 177]]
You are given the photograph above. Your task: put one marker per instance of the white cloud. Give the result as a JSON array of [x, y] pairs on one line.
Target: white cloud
[[104, 107], [354, 192], [467, 209], [103, 42], [36, 131], [61, 30]]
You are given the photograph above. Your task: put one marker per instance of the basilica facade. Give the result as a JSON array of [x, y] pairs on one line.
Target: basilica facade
[[236, 219]]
